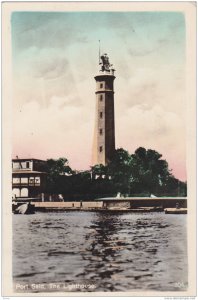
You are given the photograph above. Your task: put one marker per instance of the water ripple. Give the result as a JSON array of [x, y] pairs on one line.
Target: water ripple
[[116, 252]]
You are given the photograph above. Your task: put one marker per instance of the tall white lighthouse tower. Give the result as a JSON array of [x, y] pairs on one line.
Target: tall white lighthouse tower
[[104, 134]]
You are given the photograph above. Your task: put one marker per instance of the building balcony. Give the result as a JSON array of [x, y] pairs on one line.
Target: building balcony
[[107, 72], [19, 184]]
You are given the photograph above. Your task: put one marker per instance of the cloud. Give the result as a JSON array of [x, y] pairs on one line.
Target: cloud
[[45, 30], [55, 61], [50, 68], [155, 128], [58, 130], [148, 49], [149, 86]]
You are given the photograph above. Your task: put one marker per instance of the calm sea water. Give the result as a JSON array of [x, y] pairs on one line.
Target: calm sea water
[[99, 252]]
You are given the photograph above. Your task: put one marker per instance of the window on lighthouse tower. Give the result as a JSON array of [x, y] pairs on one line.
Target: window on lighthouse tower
[[100, 148]]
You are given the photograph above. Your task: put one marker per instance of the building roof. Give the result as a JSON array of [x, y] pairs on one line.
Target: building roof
[[27, 172], [27, 159], [114, 199]]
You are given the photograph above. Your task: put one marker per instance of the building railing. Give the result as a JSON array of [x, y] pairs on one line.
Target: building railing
[[23, 169], [19, 183], [26, 184], [105, 72]]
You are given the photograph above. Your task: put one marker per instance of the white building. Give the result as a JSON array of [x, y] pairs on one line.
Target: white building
[[28, 178]]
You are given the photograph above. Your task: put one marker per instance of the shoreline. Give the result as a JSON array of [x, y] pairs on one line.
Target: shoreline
[[169, 205]]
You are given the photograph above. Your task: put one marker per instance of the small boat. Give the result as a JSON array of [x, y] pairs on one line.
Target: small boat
[[23, 209], [176, 211]]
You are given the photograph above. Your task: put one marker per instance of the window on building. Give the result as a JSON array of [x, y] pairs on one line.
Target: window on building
[[37, 180], [101, 97], [24, 192], [31, 181], [23, 165], [100, 148], [27, 164], [16, 180], [15, 193], [16, 165], [101, 114], [24, 180], [100, 131], [101, 85]]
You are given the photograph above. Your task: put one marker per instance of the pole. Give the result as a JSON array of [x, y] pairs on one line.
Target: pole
[[99, 51]]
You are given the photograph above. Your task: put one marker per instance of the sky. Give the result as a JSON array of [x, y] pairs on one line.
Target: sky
[[54, 61]]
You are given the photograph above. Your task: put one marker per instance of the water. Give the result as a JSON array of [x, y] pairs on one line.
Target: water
[[102, 251]]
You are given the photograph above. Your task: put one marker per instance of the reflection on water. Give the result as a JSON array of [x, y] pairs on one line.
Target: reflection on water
[[112, 251]]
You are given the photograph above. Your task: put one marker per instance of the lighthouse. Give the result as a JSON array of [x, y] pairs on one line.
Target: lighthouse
[[104, 133]]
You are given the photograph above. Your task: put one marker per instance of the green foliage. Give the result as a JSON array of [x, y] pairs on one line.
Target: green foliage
[[142, 173], [55, 169], [119, 169], [149, 171], [98, 171]]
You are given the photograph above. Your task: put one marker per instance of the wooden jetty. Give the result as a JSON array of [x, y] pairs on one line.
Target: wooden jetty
[[175, 211], [132, 204], [112, 204]]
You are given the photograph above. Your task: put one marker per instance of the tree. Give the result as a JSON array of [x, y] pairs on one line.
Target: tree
[[101, 184], [142, 173], [175, 187], [119, 169], [150, 172], [98, 171], [56, 173]]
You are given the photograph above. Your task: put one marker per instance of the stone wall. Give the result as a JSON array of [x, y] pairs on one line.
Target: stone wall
[[117, 204], [70, 204], [96, 204]]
